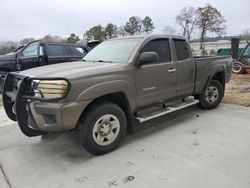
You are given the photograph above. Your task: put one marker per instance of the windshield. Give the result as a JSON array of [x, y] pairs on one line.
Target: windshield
[[113, 51]]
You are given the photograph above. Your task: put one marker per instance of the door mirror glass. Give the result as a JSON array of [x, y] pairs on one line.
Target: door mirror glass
[[31, 50], [148, 57]]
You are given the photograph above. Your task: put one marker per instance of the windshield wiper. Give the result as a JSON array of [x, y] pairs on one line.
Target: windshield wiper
[[88, 60], [100, 61]]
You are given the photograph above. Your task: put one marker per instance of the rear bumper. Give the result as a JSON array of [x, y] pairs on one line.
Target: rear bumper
[[38, 115]]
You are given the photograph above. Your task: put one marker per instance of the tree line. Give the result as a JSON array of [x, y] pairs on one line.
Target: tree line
[[134, 26]]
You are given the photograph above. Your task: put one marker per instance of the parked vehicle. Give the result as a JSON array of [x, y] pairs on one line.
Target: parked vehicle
[[38, 53], [241, 64], [120, 83], [94, 43]]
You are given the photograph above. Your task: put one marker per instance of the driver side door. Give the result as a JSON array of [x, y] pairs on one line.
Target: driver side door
[[156, 82], [30, 56]]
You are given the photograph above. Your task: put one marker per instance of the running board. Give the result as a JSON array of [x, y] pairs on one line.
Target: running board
[[167, 110]]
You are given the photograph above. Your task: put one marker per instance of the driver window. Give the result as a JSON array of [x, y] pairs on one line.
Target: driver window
[[161, 47], [31, 50]]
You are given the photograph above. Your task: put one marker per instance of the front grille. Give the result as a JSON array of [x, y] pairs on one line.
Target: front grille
[[16, 83]]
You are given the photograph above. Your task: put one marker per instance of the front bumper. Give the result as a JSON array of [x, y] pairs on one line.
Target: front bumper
[[38, 115]]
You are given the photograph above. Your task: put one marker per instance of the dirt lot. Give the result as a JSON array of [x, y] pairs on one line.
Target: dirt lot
[[238, 90]]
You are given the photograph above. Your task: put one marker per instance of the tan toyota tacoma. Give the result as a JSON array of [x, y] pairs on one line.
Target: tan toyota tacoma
[[119, 84]]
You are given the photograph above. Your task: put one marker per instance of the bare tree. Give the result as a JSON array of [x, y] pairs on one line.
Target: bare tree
[[245, 34], [187, 20], [209, 19], [26, 41], [52, 38], [169, 30], [121, 31]]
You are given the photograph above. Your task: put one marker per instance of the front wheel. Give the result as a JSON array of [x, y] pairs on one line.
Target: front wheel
[[102, 128], [2, 78], [213, 95]]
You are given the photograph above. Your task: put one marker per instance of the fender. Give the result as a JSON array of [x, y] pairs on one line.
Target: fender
[[109, 87], [217, 69]]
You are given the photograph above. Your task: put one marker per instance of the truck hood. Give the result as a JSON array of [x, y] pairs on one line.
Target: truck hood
[[71, 70]]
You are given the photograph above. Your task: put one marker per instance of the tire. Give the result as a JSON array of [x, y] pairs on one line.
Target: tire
[[102, 128], [212, 96], [2, 78], [238, 69]]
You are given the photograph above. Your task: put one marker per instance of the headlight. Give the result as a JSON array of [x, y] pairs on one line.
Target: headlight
[[50, 89]]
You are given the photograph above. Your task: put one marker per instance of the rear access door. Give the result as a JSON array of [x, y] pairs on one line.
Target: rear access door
[[57, 53], [185, 67]]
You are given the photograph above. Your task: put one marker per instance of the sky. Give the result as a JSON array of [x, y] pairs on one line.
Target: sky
[[36, 18]]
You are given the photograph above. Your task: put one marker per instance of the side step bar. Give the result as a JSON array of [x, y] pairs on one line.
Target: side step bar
[[167, 110]]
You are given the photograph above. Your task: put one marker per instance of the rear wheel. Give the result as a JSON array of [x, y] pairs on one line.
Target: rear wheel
[[213, 95], [238, 69], [102, 128]]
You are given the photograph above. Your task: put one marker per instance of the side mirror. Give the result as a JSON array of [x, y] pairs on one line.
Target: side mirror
[[148, 57]]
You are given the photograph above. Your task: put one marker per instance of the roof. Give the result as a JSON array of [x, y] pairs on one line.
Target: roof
[[150, 36]]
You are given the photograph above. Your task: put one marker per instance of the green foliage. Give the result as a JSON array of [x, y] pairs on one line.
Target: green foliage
[[212, 52], [204, 52], [96, 33], [72, 38], [133, 26], [111, 30], [148, 25]]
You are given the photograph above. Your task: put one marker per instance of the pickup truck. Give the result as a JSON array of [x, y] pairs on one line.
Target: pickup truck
[[118, 85], [38, 53]]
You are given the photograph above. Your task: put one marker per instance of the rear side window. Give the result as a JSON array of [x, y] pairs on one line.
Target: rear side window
[[77, 50], [161, 47], [181, 49], [56, 50]]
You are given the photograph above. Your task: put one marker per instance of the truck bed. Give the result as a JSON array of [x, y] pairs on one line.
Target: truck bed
[[208, 65]]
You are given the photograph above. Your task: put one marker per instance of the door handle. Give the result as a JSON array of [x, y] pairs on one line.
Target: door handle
[[171, 70]]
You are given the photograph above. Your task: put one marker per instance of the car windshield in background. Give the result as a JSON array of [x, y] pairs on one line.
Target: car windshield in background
[[113, 51]]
